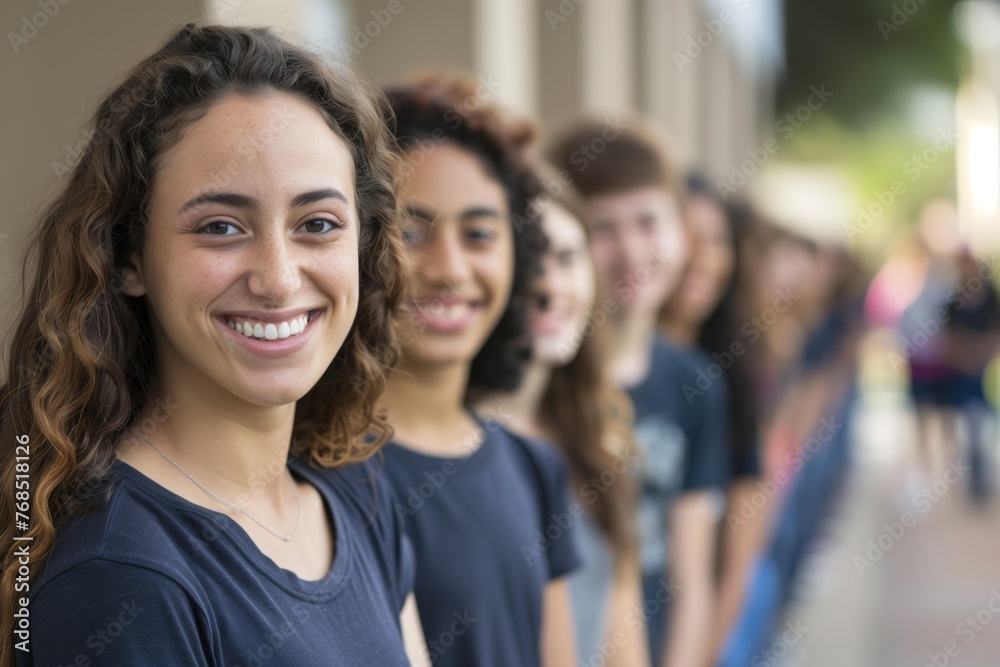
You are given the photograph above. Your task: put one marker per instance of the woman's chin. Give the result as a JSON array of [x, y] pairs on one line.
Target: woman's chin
[[555, 351]]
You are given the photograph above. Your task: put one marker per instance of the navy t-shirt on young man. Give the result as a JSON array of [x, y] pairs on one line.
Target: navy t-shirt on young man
[[153, 579], [681, 424], [490, 529]]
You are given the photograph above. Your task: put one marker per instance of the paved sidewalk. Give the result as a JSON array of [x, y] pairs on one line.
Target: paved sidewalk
[[893, 583]]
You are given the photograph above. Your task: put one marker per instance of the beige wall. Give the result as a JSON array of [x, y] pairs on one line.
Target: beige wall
[[50, 87], [425, 33]]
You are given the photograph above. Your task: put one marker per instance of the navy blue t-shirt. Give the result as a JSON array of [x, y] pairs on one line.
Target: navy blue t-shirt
[[490, 529], [153, 579], [681, 423]]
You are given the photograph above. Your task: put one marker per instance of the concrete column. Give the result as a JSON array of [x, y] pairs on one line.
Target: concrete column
[[608, 56], [506, 41], [670, 80]]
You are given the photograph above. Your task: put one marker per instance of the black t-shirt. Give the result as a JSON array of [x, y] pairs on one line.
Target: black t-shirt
[[153, 579], [681, 423], [490, 529]]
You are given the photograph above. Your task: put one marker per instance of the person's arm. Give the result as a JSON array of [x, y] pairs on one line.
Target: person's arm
[[558, 639], [692, 523], [413, 634], [739, 548], [626, 629]]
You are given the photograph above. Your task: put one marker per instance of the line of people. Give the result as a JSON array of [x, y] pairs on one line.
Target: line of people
[[433, 395]]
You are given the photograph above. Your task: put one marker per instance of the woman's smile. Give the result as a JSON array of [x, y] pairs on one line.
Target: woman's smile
[[273, 336]]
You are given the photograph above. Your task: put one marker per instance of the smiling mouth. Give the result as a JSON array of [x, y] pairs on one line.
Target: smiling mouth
[[550, 322], [252, 328], [443, 315]]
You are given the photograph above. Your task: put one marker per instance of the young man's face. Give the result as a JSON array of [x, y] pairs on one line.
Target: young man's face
[[639, 245]]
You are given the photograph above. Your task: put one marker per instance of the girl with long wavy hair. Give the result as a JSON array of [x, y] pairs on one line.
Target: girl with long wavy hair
[[565, 399], [192, 381], [707, 312], [474, 498]]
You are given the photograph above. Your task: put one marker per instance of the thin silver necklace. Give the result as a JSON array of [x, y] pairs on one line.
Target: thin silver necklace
[[298, 504]]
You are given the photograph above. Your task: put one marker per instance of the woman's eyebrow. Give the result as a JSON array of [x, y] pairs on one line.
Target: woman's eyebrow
[[420, 213], [314, 196], [480, 212], [237, 200], [228, 198]]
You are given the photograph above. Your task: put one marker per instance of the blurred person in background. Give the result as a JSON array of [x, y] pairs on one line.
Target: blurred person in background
[[831, 314], [923, 342], [787, 301], [481, 504], [705, 312], [565, 399], [632, 194], [973, 337]]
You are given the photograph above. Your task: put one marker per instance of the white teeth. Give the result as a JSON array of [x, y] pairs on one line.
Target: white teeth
[[270, 331], [443, 311]]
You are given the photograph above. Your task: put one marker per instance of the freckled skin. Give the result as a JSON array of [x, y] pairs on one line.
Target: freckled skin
[[270, 148]]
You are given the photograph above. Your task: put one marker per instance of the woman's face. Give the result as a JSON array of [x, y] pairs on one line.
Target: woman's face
[[250, 262], [460, 241], [711, 265], [564, 292]]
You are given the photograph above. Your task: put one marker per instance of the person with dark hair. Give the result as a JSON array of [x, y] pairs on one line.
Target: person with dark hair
[[566, 400], [972, 334], [194, 375], [639, 242], [487, 511], [705, 313]]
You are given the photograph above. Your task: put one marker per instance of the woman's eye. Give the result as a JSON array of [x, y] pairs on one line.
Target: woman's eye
[[566, 258], [218, 228], [480, 235], [414, 237], [316, 225]]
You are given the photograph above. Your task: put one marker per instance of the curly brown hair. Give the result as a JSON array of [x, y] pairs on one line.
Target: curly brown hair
[[81, 360], [434, 108]]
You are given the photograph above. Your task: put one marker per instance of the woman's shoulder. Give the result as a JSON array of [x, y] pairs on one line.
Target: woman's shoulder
[[131, 530], [360, 489], [360, 485], [129, 611], [544, 458]]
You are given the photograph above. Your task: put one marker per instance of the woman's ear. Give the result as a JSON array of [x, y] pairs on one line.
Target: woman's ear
[[132, 279]]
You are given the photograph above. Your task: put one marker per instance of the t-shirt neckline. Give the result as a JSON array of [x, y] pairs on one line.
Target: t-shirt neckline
[[477, 459], [318, 590]]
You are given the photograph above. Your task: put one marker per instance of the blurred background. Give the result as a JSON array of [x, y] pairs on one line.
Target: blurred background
[[864, 135]]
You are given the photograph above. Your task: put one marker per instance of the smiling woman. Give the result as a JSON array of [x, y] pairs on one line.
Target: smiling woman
[[226, 247], [476, 246]]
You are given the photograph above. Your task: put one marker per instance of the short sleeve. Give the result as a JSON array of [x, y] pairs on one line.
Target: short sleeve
[[560, 510], [106, 613], [398, 545], [709, 455]]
